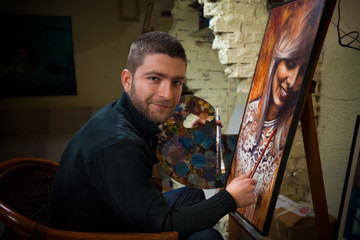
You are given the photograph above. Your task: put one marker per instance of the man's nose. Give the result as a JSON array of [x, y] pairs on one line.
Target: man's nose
[[165, 89]]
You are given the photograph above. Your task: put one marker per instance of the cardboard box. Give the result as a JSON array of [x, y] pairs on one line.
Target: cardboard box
[[287, 224]]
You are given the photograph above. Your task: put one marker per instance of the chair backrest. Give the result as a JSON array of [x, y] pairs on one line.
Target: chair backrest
[[25, 190], [26, 186]]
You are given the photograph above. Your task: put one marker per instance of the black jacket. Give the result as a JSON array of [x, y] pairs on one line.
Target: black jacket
[[103, 182]]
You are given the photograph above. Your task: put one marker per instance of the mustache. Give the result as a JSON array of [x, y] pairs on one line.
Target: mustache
[[164, 103]]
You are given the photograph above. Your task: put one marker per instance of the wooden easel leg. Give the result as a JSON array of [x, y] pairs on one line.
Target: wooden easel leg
[[314, 169]]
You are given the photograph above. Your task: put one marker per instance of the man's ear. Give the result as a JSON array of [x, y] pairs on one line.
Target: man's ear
[[126, 78]]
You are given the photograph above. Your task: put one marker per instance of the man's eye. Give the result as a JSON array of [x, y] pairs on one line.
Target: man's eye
[[179, 83], [153, 78]]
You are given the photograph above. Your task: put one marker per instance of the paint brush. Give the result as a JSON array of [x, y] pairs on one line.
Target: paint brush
[[220, 166], [262, 154]]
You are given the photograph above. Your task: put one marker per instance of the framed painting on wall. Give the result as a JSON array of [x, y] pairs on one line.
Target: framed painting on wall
[[349, 213], [36, 56], [281, 81]]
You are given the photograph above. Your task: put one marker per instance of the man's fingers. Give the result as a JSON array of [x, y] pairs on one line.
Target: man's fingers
[[246, 175]]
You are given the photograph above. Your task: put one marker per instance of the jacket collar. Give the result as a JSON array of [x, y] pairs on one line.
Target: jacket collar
[[143, 124]]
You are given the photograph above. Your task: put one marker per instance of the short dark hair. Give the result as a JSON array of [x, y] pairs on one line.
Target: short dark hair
[[152, 43]]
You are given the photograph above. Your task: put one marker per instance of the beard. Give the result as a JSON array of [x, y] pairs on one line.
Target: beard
[[143, 107]]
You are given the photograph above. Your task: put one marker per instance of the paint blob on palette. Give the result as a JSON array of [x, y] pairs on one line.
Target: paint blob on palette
[[187, 145]]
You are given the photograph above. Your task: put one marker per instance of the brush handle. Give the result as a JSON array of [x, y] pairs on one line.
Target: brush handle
[[218, 145], [262, 154]]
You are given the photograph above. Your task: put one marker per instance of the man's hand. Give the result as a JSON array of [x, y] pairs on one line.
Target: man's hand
[[242, 190]]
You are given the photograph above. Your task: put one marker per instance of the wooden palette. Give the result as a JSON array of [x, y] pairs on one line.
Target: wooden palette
[[187, 150]]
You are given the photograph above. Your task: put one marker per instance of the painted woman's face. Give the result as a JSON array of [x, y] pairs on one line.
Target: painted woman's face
[[287, 81]]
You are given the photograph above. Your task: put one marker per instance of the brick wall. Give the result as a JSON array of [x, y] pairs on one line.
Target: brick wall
[[238, 27], [205, 74]]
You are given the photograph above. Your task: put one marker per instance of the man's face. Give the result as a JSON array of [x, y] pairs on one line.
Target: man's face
[[156, 86]]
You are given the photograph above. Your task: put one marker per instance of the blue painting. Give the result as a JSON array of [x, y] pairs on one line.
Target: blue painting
[[36, 56]]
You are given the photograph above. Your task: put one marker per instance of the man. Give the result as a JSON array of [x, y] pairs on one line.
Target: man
[[104, 177]]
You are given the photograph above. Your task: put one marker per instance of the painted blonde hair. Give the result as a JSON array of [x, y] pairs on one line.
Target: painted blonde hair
[[295, 41]]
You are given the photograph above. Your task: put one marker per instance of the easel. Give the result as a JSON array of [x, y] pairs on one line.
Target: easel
[[308, 127]]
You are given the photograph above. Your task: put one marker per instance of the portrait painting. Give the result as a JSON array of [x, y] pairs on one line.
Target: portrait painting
[[36, 56], [275, 100], [349, 213]]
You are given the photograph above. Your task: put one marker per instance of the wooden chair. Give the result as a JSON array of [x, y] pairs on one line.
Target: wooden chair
[[25, 194]]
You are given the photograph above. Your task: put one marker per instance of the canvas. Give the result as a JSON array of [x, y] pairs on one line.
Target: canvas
[[349, 214], [273, 108]]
